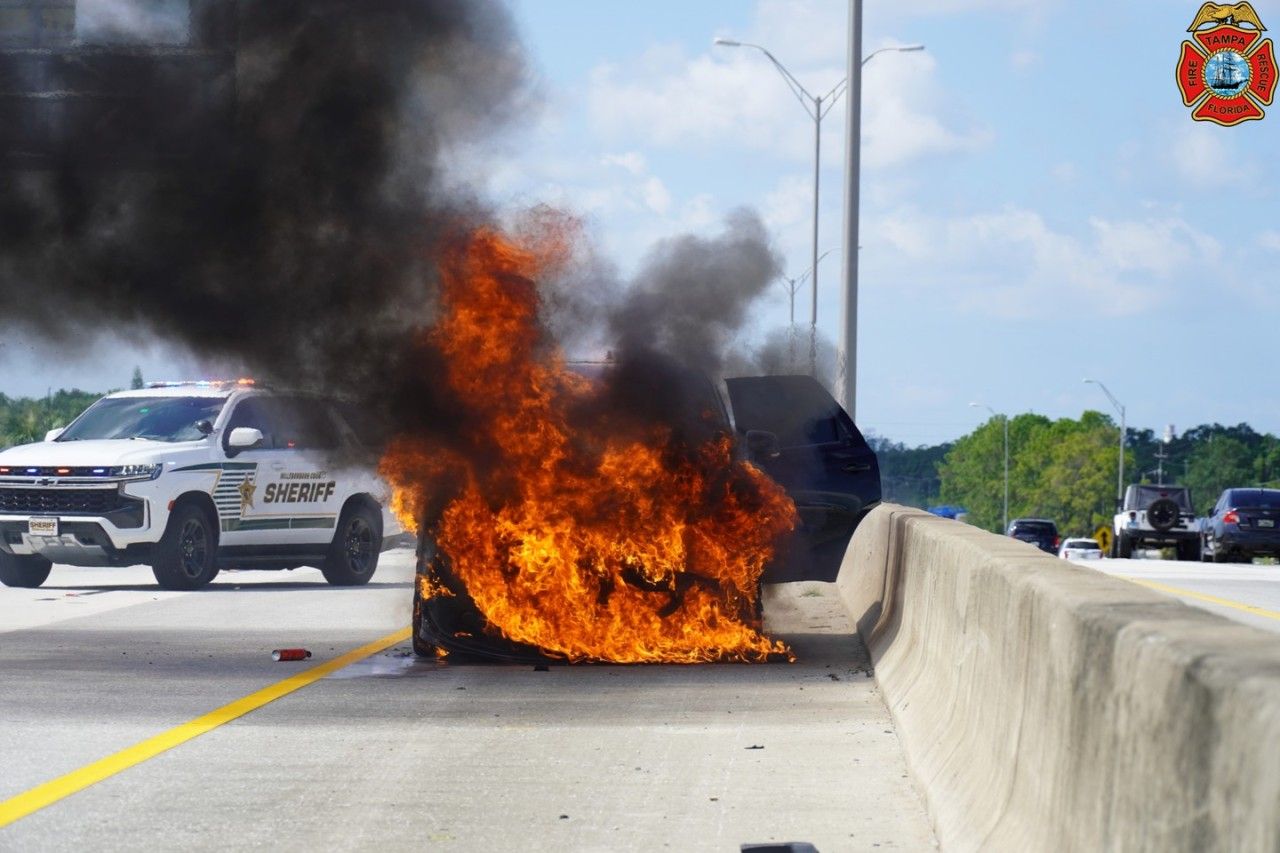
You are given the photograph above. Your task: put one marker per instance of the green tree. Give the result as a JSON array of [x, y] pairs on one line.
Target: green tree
[[1222, 462], [1074, 481], [136, 382], [1062, 470], [25, 419]]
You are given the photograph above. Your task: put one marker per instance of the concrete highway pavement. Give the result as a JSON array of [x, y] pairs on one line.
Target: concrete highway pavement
[[394, 753], [1241, 591]]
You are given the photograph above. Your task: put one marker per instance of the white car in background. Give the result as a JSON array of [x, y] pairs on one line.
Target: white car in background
[[1080, 549]]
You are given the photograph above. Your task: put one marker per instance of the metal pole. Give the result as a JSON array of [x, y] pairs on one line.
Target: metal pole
[[847, 370], [1120, 485], [1006, 473], [817, 172], [1120, 409]]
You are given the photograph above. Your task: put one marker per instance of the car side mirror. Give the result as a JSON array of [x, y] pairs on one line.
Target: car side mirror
[[52, 435], [204, 427], [243, 438], [762, 446]]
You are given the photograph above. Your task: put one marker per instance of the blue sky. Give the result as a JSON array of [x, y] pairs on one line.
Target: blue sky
[[1037, 204]]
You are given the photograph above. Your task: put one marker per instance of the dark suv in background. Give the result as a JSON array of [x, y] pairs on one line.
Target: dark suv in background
[[1040, 532], [1244, 523]]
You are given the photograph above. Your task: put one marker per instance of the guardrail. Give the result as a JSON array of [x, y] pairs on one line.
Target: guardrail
[[1045, 706]]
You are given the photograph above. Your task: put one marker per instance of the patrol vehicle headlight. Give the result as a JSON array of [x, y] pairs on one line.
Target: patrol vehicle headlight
[[139, 472]]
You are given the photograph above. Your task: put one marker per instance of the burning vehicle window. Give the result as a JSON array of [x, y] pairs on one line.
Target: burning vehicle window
[[153, 418]]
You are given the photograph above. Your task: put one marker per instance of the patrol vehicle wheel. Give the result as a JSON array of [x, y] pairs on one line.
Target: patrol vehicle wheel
[[184, 556], [25, 571], [353, 556]]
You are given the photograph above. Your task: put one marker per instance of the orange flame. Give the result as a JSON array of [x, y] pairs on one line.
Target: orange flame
[[585, 543]]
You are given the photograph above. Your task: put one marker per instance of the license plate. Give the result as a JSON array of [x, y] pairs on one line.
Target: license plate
[[42, 526], [1266, 522]]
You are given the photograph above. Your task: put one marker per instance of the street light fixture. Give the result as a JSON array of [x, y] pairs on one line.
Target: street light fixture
[[817, 107], [906, 48], [1119, 408], [1004, 418]]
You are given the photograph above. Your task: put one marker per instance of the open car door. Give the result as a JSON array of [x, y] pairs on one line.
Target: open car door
[[801, 437]]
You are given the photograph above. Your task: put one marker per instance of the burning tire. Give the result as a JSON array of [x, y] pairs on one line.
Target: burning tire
[[353, 555], [421, 647], [27, 572], [185, 556]]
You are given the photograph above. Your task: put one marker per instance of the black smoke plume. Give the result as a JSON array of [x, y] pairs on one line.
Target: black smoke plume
[[270, 195]]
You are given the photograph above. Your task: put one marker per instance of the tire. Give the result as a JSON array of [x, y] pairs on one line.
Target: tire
[[26, 572], [421, 647], [185, 556], [1163, 514], [353, 554], [1124, 546], [1187, 551]]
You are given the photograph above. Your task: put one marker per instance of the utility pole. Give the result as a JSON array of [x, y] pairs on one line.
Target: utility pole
[[847, 349]]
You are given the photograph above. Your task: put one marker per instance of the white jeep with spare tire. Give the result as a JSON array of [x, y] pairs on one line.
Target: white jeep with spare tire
[[193, 477], [1156, 517]]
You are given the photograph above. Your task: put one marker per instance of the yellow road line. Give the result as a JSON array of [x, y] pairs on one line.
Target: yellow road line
[[1211, 599], [54, 790]]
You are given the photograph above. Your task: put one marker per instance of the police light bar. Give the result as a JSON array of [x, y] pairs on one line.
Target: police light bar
[[202, 383]]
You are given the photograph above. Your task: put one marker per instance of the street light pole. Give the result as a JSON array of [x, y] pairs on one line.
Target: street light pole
[[793, 287], [1119, 408], [1004, 418], [817, 107], [847, 350]]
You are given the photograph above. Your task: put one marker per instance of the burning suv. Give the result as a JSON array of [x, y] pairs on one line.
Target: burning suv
[[786, 427], [191, 477]]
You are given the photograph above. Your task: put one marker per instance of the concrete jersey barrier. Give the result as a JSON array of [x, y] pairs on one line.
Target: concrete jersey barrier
[[1045, 706]]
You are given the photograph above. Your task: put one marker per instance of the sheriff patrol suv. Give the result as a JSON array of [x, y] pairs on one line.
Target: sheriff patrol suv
[[190, 478]]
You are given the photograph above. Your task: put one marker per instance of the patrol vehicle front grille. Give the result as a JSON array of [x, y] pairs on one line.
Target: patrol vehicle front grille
[[62, 501]]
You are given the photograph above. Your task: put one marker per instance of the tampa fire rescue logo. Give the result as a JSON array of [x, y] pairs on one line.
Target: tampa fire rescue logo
[[1227, 71]]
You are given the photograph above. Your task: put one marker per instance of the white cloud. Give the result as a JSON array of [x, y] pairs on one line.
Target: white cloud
[[1270, 240], [789, 204], [1011, 263], [1199, 151], [1022, 59], [1162, 247], [1066, 171], [902, 109], [655, 195], [631, 161], [736, 98]]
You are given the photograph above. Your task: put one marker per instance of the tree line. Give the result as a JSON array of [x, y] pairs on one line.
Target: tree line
[[1066, 469], [27, 419]]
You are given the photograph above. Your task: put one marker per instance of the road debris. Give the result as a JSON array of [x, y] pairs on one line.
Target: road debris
[[290, 654]]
